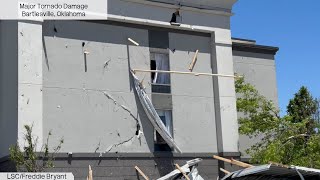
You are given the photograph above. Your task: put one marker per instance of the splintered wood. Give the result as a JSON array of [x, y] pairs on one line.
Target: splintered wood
[[134, 42], [183, 173], [239, 163], [141, 173], [224, 171], [90, 176], [194, 60]]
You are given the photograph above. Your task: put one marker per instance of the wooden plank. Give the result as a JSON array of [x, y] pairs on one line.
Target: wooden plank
[[222, 159], [141, 173], [134, 42], [232, 161], [194, 60], [242, 163], [188, 73], [184, 174], [224, 171]]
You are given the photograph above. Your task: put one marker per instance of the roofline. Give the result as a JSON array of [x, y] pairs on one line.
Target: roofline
[[252, 47], [241, 39]]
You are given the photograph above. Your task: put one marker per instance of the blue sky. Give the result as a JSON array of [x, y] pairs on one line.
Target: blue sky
[[294, 27]]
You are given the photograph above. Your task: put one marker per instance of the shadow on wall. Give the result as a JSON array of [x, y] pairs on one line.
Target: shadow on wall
[[7, 166], [87, 31], [117, 33], [45, 52], [8, 85]]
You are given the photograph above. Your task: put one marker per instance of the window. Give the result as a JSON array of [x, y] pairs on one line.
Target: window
[[153, 66], [166, 117], [160, 61]]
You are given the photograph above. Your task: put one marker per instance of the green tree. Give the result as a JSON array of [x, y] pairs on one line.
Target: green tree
[[302, 106], [316, 115], [28, 159], [286, 140]]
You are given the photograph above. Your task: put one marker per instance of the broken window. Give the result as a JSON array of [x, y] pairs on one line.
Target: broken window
[[161, 63], [153, 66], [166, 117], [160, 81]]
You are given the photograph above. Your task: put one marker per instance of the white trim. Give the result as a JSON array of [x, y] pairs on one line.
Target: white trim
[[160, 24]]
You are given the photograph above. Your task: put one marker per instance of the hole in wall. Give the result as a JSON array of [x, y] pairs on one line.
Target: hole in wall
[[176, 18]]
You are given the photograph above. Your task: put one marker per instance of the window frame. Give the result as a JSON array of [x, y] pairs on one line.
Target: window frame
[[166, 87], [162, 143]]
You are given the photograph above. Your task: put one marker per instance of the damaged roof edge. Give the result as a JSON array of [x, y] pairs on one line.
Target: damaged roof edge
[[251, 46]]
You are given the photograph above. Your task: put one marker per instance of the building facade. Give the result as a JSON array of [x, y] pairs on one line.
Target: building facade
[[73, 78]]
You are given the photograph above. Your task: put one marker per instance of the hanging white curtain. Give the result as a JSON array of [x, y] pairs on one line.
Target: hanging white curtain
[[162, 63]]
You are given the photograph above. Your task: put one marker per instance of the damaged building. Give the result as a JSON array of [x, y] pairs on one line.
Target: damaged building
[[74, 78]]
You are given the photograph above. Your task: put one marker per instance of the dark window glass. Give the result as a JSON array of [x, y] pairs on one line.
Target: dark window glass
[[153, 67]]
